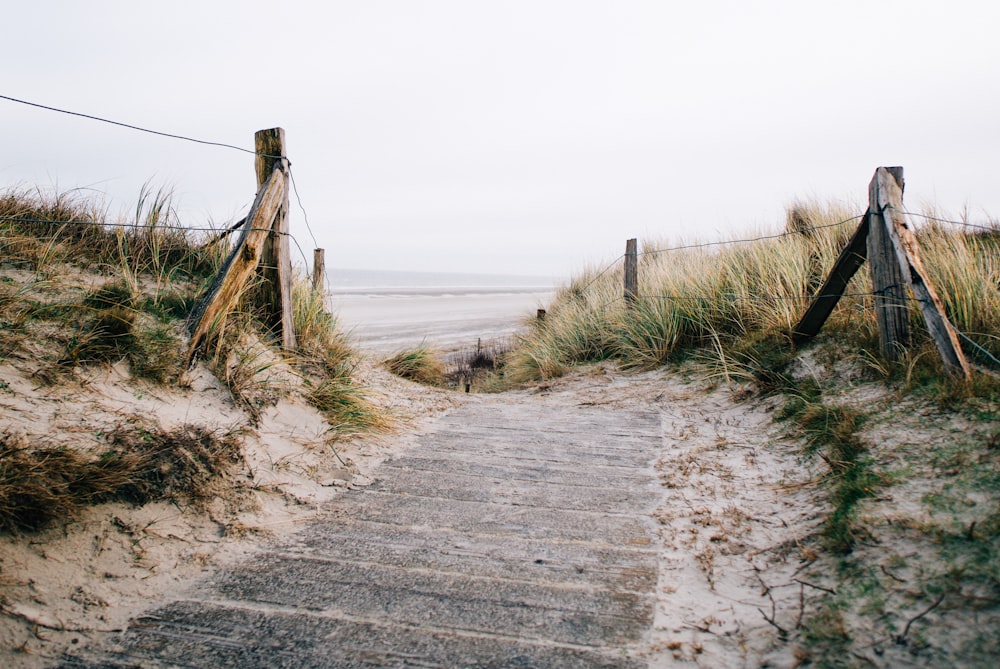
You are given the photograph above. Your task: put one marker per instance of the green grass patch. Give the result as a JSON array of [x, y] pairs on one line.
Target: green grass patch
[[422, 365], [42, 484], [346, 406]]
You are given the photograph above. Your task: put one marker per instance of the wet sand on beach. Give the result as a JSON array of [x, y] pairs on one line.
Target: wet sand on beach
[[444, 320]]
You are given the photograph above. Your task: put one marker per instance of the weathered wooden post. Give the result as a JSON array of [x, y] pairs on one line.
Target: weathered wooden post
[[885, 239], [263, 239], [888, 201], [887, 276], [631, 272], [848, 263], [319, 270], [276, 263]]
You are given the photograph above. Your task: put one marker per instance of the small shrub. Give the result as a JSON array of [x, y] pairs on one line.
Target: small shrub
[[41, 483], [346, 407], [484, 365], [422, 365], [107, 335]]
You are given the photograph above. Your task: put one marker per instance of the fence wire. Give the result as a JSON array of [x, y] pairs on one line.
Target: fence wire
[[170, 135], [993, 227], [136, 127], [141, 226], [725, 242], [728, 242]]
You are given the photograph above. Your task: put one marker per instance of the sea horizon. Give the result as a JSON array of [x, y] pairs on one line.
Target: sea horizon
[[390, 310], [349, 281]]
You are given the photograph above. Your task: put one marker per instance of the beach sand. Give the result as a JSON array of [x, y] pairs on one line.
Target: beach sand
[[389, 322]]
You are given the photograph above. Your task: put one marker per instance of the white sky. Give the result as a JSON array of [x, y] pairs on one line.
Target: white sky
[[510, 136]]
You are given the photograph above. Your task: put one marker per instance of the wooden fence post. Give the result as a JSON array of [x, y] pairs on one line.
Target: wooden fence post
[[275, 292], [888, 283], [631, 272], [847, 265], [889, 203], [263, 248], [894, 254], [210, 313], [319, 270]]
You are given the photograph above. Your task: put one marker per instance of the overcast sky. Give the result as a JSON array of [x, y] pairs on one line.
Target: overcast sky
[[529, 137]]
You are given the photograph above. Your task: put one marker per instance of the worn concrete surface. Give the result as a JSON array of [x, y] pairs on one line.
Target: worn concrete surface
[[516, 534]]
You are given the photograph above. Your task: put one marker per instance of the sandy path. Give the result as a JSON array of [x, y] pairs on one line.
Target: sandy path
[[600, 520], [731, 519]]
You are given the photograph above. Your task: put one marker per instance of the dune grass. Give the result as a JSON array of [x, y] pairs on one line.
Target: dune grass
[[714, 298], [78, 288], [146, 272], [330, 366], [44, 483], [421, 365]]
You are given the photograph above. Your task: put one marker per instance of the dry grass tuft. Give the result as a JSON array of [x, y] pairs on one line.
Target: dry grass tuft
[[189, 464], [43, 483], [422, 365], [329, 366]]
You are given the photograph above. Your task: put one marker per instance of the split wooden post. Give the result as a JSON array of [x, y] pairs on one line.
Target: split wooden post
[[275, 291], [631, 272], [891, 247], [229, 283], [888, 283], [888, 201], [263, 241], [319, 270]]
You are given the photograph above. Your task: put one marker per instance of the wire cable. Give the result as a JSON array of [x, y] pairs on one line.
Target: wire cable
[[988, 228], [295, 188], [753, 239], [602, 272], [97, 224], [136, 127], [305, 216]]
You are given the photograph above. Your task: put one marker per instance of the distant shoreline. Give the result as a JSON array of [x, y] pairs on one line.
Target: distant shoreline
[[391, 322], [435, 291]]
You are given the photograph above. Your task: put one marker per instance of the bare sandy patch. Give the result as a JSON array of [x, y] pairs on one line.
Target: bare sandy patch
[[95, 572]]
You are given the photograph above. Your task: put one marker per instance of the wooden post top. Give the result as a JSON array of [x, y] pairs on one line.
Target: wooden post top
[[267, 144]]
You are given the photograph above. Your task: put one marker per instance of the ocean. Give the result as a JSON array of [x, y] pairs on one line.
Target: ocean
[[387, 311]]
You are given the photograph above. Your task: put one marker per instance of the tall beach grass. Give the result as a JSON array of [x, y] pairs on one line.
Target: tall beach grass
[[708, 299]]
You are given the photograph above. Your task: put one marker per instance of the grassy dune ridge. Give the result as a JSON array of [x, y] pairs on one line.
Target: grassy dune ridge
[[718, 300], [78, 288]]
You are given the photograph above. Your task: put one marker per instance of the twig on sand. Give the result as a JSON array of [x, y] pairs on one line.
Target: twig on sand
[[867, 659], [901, 639], [815, 587], [891, 575], [782, 632]]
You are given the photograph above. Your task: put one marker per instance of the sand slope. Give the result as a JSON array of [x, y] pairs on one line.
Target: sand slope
[[742, 578]]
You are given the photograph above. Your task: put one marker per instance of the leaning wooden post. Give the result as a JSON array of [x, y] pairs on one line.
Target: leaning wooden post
[[847, 265], [276, 263], [210, 313], [888, 283], [631, 272], [888, 189], [319, 270]]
